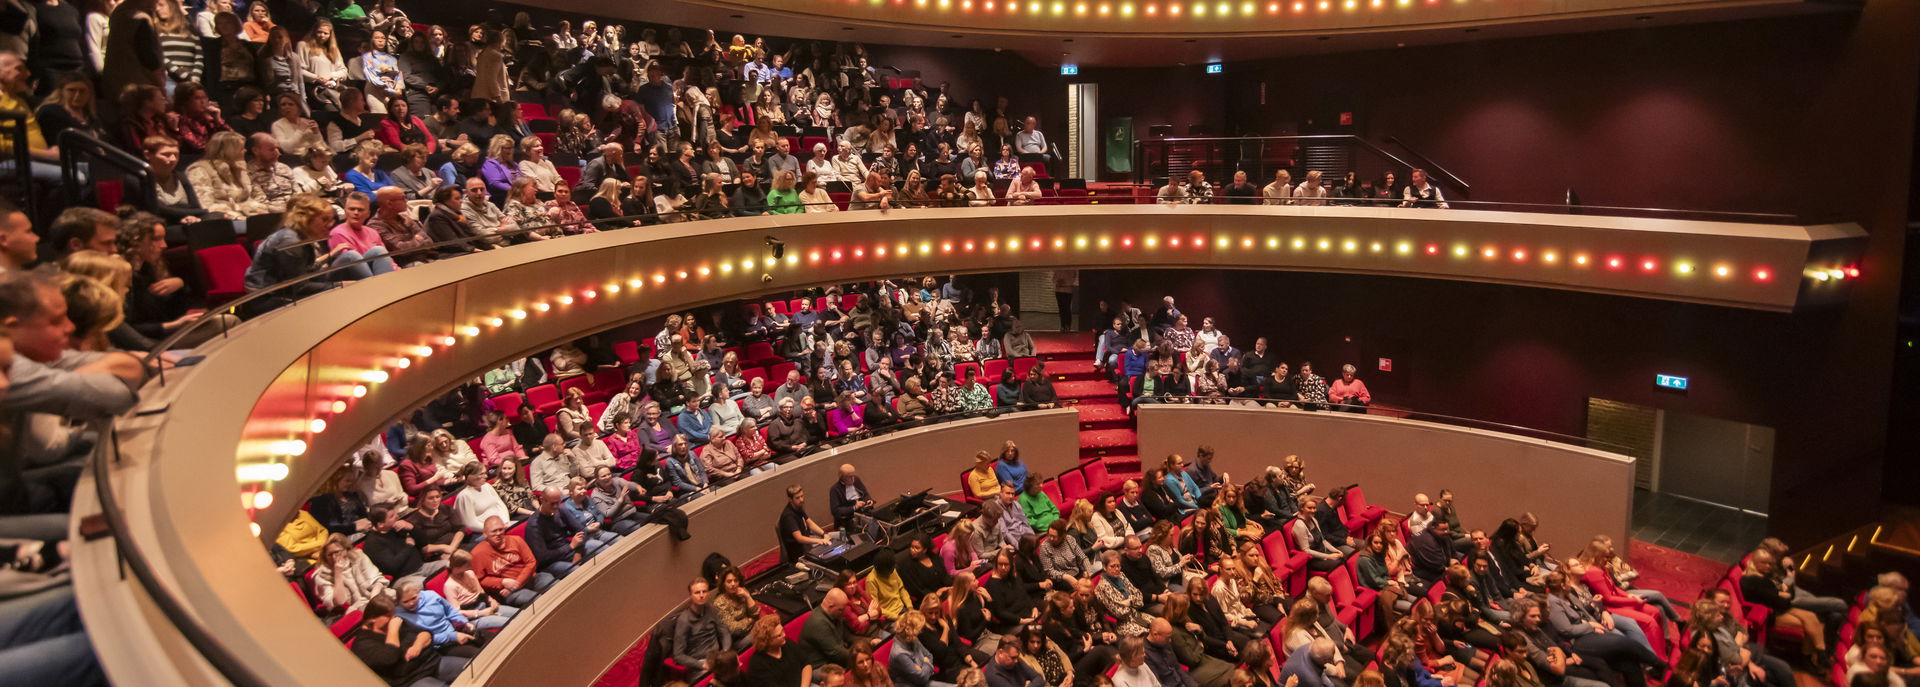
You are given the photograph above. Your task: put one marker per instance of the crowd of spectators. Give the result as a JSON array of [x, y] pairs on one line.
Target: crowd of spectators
[[472, 139], [413, 145], [62, 383]]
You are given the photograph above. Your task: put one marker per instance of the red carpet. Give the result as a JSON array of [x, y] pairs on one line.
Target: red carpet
[[1682, 576]]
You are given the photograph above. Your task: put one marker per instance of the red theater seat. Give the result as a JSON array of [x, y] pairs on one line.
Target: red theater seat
[[223, 269]]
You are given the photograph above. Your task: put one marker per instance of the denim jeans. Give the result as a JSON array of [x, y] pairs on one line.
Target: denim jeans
[[42, 641]]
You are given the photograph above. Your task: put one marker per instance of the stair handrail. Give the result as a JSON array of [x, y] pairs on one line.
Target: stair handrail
[[13, 126], [74, 143], [1139, 146], [1466, 189]]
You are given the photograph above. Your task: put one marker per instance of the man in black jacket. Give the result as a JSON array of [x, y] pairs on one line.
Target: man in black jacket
[[557, 546], [391, 550], [445, 224]]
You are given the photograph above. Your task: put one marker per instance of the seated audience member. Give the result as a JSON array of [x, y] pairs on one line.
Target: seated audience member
[[316, 174], [354, 235], [291, 255], [824, 637], [400, 128], [220, 179], [364, 177], [272, 179], [174, 197], [462, 588], [346, 579], [452, 631], [797, 532], [774, 663], [1418, 193], [447, 227], [412, 176], [399, 651], [1759, 586], [557, 542], [699, 630]]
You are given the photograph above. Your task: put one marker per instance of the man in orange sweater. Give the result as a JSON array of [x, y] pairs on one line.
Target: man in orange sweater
[[505, 565]]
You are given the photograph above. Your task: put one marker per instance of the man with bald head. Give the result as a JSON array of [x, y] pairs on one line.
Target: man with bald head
[[271, 178], [557, 544], [824, 637], [1422, 514], [1160, 657], [505, 565], [849, 500], [398, 226]]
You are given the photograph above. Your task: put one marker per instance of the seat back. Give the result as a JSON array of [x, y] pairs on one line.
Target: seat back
[[581, 382], [993, 368], [1073, 486], [627, 351], [1342, 580], [1095, 474], [1356, 501], [544, 398], [509, 405], [759, 354], [609, 380], [1022, 365], [753, 373], [1052, 489], [345, 625], [223, 269], [966, 371], [778, 373]]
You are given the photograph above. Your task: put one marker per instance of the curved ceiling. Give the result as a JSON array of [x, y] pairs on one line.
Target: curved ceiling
[[1161, 32]]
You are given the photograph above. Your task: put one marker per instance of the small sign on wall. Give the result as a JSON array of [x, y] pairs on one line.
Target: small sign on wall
[[1386, 364], [1674, 382], [1346, 119]]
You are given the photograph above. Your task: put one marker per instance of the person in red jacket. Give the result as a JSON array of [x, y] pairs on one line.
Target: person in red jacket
[[505, 565]]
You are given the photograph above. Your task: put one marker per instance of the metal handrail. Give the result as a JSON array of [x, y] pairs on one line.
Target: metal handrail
[[1139, 170], [223, 658], [1330, 406], [74, 143], [1465, 188], [13, 125]]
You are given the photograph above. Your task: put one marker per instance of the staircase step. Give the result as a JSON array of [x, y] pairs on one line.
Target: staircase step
[[1106, 439], [1063, 343], [1085, 389], [1102, 412], [1123, 464], [1068, 369]]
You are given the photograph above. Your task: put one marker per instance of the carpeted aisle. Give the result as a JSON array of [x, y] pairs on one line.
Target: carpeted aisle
[[1682, 576]]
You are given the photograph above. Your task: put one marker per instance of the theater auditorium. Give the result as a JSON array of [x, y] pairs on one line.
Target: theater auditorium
[[959, 343]]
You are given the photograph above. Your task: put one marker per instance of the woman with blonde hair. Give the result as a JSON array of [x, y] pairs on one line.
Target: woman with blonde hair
[[292, 253], [221, 181], [94, 309], [535, 164], [783, 199], [110, 269], [345, 579], [317, 57], [499, 167], [606, 203]]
